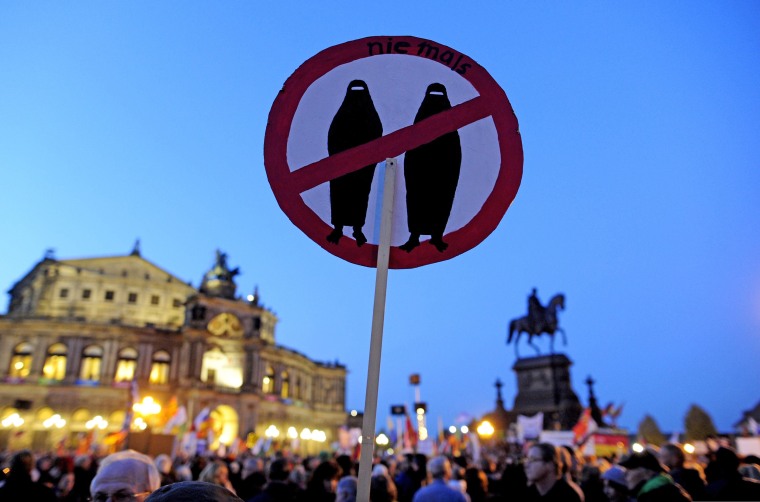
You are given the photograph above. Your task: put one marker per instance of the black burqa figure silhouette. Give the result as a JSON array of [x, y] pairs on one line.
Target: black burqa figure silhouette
[[355, 123], [431, 173]]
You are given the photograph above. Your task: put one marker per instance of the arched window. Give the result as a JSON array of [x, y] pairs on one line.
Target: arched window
[[159, 370], [298, 390], [92, 358], [55, 362], [267, 384], [126, 365], [21, 361], [285, 389]]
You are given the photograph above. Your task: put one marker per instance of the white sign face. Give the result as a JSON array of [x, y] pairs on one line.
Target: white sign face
[[397, 85], [436, 111]]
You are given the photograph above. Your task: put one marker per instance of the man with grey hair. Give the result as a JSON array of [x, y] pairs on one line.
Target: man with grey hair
[[125, 476], [438, 491]]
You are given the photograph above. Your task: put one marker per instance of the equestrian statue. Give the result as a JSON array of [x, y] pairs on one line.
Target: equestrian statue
[[539, 320]]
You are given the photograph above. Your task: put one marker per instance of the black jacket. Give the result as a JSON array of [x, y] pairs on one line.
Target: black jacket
[[733, 488]]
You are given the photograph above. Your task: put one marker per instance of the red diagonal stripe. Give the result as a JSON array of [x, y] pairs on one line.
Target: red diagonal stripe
[[392, 145]]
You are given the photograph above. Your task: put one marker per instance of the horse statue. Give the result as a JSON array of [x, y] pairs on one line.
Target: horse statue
[[539, 320]]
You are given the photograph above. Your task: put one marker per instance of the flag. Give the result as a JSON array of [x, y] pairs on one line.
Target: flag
[[614, 413], [357, 453], [177, 421], [410, 437], [202, 422], [344, 438], [440, 443], [392, 436], [85, 441], [258, 448], [475, 441], [168, 411], [132, 398], [584, 428]]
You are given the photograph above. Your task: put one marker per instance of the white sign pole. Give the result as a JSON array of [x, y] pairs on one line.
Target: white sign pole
[[376, 342]]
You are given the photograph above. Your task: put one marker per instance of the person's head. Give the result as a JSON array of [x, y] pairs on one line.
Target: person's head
[[44, 463], [83, 462], [22, 465], [380, 470], [298, 476], [440, 468], [723, 465], [382, 489], [615, 486], [751, 471], [325, 476], [346, 465], [476, 479], [346, 490], [193, 491], [542, 463], [125, 476], [571, 466], [215, 472], [163, 463], [251, 465], [641, 467], [279, 470], [672, 456]]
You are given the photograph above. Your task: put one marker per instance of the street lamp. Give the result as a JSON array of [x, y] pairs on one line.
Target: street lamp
[[485, 429], [146, 408], [13, 420], [98, 422], [56, 421]]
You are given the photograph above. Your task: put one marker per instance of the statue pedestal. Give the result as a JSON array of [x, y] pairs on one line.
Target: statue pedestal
[[543, 385]]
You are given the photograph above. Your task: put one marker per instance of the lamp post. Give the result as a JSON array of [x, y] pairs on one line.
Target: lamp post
[[419, 407], [147, 409], [485, 429]]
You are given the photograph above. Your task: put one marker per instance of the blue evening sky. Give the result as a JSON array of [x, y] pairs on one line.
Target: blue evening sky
[[640, 198]]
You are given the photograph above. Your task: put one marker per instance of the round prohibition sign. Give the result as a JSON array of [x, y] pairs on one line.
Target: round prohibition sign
[[488, 101]]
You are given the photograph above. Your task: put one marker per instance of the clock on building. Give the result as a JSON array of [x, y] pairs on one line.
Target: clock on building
[[225, 324]]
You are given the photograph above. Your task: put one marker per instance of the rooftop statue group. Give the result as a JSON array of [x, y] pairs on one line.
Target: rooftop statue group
[[539, 320]]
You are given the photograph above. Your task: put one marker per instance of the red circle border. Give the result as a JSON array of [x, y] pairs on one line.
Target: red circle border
[[461, 240]]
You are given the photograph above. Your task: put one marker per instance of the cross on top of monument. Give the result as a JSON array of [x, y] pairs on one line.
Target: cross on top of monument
[[590, 382], [596, 413], [499, 400]]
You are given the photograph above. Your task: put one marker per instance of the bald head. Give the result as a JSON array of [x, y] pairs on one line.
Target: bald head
[[127, 472]]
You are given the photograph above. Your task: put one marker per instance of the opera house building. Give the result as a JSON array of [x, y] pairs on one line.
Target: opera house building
[[98, 346]]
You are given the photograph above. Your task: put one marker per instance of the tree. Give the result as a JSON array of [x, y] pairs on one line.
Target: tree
[[698, 424], [650, 432]]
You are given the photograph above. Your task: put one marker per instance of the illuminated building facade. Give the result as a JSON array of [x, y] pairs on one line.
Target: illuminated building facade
[[78, 333]]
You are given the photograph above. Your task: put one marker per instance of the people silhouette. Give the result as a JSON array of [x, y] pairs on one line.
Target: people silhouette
[[431, 173], [355, 123]]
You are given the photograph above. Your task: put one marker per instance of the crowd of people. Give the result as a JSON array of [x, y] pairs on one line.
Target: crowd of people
[[542, 472]]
